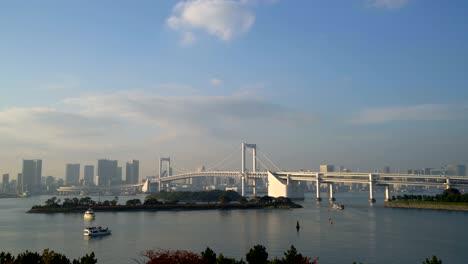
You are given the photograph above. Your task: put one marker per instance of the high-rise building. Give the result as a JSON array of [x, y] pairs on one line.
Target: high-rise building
[[456, 170], [19, 183], [386, 169], [327, 168], [132, 172], [6, 183], [32, 172], [107, 172], [72, 175], [88, 175], [118, 177]]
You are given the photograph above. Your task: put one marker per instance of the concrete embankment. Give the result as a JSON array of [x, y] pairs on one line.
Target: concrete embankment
[[428, 205]]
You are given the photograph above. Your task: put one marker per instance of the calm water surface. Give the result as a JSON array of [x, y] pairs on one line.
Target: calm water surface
[[362, 233]]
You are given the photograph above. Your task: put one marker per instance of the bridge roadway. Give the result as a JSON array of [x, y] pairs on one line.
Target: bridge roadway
[[330, 178], [373, 179]]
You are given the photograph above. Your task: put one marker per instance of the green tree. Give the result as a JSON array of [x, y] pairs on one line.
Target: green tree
[[52, 202], [292, 257], [133, 202], [257, 255], [433, 260], [209, 256]]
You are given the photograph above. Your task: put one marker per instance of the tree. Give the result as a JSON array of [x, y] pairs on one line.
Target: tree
[[257, 255], [291, 257], [52, 202], [224, 199], [133, 202], [209, 256], [434, 260]]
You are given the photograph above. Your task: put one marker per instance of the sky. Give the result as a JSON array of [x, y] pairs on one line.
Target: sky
[[358, 83]]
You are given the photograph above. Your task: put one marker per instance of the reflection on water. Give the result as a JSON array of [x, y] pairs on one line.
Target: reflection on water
[[360, 232]]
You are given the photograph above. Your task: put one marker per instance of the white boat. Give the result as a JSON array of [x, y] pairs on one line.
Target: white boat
[[25, 194], [337, 206], [96, 231], [89, 214]]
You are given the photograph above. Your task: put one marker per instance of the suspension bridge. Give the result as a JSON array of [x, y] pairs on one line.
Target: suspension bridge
[[286, 183]]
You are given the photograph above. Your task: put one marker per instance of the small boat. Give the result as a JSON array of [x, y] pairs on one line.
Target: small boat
[[337, 206], [298, 226], [89, 214], [96, 231], [25, 194]]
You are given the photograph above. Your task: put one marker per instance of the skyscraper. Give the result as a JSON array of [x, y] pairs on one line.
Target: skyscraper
[[327, 168], [6, 183], [19, 184], [107, 172], [32, 172], [88, 175], [72, 175], [118, 177], [456, 170], [132, 172]]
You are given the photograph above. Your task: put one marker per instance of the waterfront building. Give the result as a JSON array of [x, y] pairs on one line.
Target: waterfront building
[[107, 172], [32, 172], [118, 177], [132, 171], [6, 183], [72, 175], [19, 183], [386, 169], [456, 170], [327, 168], [88, 175]]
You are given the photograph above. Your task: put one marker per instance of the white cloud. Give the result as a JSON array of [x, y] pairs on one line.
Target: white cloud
[[110, 125], [216, 82], [388, 4], [223, 18], [423, 112]]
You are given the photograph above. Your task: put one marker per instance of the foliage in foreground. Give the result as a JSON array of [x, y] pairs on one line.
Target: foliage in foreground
[[47, 257], [433, 260], [256, 255]]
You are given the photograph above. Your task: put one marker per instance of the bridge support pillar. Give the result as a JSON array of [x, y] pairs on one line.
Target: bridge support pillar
[[243, 185], [254, 187], [387, 193], [317, 186], [332, 197], [371, 188], [447, 183]]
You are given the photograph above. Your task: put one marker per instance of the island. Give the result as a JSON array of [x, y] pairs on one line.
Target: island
[[205, 200], [450, 199]]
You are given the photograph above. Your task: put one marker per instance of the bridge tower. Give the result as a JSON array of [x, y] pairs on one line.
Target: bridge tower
[[168, 169], [254, 166]]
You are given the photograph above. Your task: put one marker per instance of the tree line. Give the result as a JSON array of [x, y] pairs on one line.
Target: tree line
[[448, 195], [256, 255]]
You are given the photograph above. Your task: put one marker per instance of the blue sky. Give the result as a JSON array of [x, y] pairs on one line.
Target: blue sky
[[358, 83]]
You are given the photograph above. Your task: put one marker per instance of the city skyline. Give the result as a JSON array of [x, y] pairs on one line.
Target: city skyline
[[359, 83]]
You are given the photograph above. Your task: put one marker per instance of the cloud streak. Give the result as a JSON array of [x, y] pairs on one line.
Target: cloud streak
[[423, 112]]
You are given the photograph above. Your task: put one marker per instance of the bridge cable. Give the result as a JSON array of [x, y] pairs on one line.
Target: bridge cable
[[219, 163], [271, 162]]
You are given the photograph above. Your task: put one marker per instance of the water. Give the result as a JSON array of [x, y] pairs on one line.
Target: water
[[362, 233]]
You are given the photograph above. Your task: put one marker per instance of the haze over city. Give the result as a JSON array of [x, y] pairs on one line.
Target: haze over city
[[358, 83]]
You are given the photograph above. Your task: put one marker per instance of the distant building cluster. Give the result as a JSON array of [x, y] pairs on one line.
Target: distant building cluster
[[108, 173], [31, 181]]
